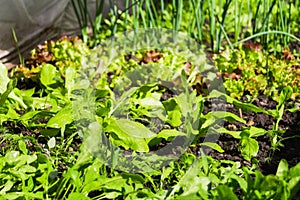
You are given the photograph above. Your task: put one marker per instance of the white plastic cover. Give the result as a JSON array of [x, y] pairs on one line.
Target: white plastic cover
[[35, 21]]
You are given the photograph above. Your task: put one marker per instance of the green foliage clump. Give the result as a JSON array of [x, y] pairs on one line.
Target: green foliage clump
[[246, 71], [61, 54]]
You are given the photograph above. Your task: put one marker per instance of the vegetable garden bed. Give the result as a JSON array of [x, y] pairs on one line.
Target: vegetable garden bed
[[252, 117]]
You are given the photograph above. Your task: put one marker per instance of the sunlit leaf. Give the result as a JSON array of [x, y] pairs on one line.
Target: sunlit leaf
[[62, 118]]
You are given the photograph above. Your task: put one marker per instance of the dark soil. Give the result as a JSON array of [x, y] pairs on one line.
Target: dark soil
[[268, 157]]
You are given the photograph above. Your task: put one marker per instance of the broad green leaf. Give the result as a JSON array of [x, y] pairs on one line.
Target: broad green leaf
[[283, 169], [51, 143], [62, 118], [150, 101], [30, 158], [48, 75], [295, 171], [294, 185], [174, 118], [27, 169], [187, 102], [117, 104], [91, 173], [241, 180], [102, 181], [136, 144], [248, 147], [214, 146], [169, 133], [12, 157], [130, 134], [131, 128], [173, 111], [254, 131]]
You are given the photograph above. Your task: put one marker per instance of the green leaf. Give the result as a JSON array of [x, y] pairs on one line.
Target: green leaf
[[132, 128], [12, 157], [190, 182], [50, 132], [11, 84], [254, 131], [214, 146], [293, 110], [3, 78], [136, 178], [78, 196], [173, 111], [169, 133], [62, 118], [22, 146], [130, 134], [174, 118], [70, 80], [150, 101], [51, 143], [214, 116], [225, 192], [27, 116], [283, 169], [48, 75], [285, 95], [235, 134], [248, 147], [244, 106]]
